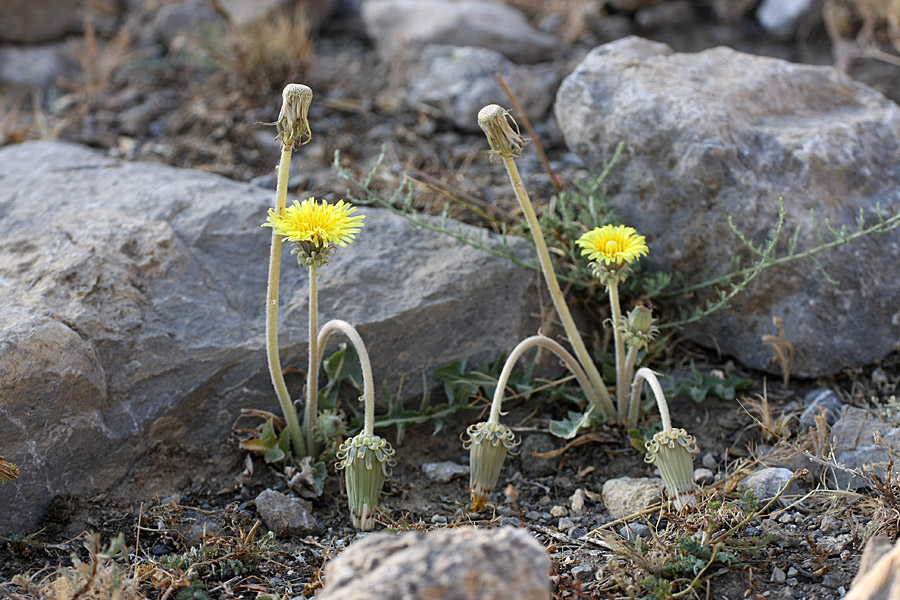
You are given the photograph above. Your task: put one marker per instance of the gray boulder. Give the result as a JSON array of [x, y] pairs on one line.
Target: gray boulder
[[29, 22], [36, 66], [450, 564], [459, 81], [131, 313], [722, 134], [406, 26], [855, 448]]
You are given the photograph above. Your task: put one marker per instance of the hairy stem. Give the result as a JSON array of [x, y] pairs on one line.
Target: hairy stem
[[556, 348], [284, 398], [368, 382], [621, 382], [646, 374], [559, 301], [312, 374]]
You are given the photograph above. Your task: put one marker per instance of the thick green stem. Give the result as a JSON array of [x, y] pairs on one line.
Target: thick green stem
[[621, 382], [559, 301], [646, 374], [284, 398], [556, 348], [312, 374], [364, 362]]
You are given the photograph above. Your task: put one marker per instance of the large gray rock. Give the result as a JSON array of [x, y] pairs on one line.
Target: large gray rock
[[853, 436], [406, 26], [450, 564], [461, 80], [722, 134], [131, 312], [35, 21], [36, 66]]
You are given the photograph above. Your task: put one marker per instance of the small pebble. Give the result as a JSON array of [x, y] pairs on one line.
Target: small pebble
[[559, 511], [792, 572], [828, 581], [545, 500], [582, 572], [752, 531], [778, 576], [577, 532], [792, 581], [703, 476], [785, 519], [829, 524], [439, 520], [510, 521], [709, 461], [158, 549], [576, 502], [565, 524], [631, 531], [442, 472], [533, 515]]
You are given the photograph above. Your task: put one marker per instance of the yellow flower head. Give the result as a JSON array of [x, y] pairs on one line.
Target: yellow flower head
[[315, 227], [613, 244]]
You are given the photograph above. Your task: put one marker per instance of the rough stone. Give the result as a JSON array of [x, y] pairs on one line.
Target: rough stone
[[537, 443], [721, 134], [632, 531], [767, 482], [818, 400], [35, 66], [406, 26], [451, 564], [624, 496], [286, 515], [132, 309], [459, 81], [854, 445], [442, 472]]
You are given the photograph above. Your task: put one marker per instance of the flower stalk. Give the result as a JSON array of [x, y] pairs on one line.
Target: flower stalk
[[507, 143], [293, 129]]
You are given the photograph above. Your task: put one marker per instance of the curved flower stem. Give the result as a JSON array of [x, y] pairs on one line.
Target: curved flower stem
[[368, 382], [312, 373], [646, 374], [559, 302], [633, 408], [556, 348], [284, 398], [621, 382]]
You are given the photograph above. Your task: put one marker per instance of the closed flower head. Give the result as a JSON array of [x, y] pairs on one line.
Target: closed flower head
[[613, 245], [315, 229], [293, 120], [494, 120], [488, 444], [366, 461], [673, 451]]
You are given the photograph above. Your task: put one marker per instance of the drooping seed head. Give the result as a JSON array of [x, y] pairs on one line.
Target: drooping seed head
[[293, 120], [497, 125], [488, 444], [366, 461], [673, 451]]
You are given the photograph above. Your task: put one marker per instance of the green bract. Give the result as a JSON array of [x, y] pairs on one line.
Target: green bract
[[672, 451], [488, 444], [366, 460]]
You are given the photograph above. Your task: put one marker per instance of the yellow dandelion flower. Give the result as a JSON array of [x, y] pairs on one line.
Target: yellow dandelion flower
[[319, 225], [613, 244]]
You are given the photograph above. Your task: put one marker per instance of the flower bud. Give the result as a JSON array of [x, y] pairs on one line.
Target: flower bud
[[639, 327], [293, 120], [672, 452], [366, 460], [488, 444], [494, 120]]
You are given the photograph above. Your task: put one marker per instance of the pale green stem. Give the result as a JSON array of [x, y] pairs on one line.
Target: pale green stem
[[284, 397], [368, 382], [559, 301], [646, 374], [556, 348], [630, 360], [621, 381], [312, 374]]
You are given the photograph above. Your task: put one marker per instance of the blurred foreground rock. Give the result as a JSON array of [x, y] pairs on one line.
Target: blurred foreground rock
[[721, 134], [450, 564], [879, 572], [131, 313]]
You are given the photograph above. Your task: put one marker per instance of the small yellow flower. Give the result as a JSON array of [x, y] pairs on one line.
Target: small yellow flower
[[315, 229], [613, 244]]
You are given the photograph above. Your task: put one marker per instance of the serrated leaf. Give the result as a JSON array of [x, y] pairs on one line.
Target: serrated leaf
[[569, 427]]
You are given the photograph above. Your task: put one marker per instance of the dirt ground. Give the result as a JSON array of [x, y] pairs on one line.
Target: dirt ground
[[208, 120]]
